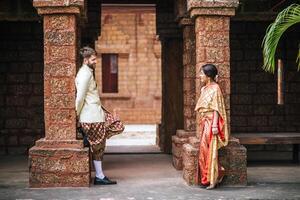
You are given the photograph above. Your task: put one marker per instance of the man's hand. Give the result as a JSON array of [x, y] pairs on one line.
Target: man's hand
[[115, 114], [77, 123]]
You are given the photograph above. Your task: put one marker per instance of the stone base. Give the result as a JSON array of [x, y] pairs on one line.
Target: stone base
[[190, 159], [58, 167], [233, 158], [178, 140]]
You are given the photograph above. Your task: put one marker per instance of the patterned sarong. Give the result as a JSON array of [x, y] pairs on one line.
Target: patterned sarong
[[98, 132]]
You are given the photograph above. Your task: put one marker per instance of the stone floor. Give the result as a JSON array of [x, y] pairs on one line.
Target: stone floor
[[135, 135], [136, 138], [149, 177]]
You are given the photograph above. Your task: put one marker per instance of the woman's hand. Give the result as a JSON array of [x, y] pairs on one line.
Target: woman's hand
[[215, 130]]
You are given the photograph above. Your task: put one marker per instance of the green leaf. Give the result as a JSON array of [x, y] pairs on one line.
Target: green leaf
[[285, 19]]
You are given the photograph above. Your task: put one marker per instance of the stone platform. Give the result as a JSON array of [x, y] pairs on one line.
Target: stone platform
[[233, 158], [161, 181], [64, 165], [178, 141]]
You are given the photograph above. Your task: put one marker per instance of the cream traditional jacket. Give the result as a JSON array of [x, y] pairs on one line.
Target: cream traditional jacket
[[88, 104]]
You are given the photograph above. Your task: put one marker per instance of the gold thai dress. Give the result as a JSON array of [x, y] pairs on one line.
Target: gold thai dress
[[210, 100]]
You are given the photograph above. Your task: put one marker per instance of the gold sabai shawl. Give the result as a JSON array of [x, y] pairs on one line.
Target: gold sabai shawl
[[211, 99]]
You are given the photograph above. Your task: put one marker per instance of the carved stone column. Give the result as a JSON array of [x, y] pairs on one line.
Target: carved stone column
[[189, 75], [212, 24], [59, 160]]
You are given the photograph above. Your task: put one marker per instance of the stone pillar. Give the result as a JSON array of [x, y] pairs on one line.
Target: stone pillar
[[189, 73], [212, 23], [172, 98], [189, 115], [172, 73], [59, 160]]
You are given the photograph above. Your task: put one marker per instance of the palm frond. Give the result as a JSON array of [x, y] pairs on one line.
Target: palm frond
[[284, 20]]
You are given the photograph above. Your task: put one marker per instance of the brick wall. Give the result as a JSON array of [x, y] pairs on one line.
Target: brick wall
[[130, 32], [254, 92], [21, 86]]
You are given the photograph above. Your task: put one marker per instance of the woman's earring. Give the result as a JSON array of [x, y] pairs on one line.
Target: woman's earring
[[217, 78]]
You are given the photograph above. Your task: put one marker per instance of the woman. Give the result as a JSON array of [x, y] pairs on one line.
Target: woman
[[213, 128]]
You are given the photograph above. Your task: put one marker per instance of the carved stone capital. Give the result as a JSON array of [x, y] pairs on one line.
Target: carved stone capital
[[45, 7], [186, 21], [212, 7]]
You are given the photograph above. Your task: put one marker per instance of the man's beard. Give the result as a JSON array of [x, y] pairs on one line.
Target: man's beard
[[91, 65]]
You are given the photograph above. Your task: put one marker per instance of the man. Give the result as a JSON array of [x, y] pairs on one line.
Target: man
[[96, 122]]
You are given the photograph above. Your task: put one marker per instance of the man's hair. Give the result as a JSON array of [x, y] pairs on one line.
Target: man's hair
[[87, 52]]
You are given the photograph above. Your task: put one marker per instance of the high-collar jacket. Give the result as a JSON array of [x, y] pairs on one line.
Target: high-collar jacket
[[88, 104]]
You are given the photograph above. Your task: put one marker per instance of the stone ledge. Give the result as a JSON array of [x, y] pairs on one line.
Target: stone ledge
[[209, 7], [59, 167], [115, 96], [233, 158], [47, 7], [64, 152], [178, 140], [59, 143], [66, 10], [184, 133], [58, 3], [192, 4]]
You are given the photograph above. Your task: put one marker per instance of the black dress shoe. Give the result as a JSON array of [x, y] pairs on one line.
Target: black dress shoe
[[104, 181]]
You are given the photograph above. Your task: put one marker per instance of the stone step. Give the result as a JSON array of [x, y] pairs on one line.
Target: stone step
[[185, 134]]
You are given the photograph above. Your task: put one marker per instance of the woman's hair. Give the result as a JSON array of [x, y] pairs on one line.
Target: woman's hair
[[87, 52], [210, 70]]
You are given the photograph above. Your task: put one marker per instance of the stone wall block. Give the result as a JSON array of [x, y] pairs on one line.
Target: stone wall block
[[60, 85], [201, 56], [60, 101], [61, 116], [213, 55], [225, 86], [60, 53], [61, 131], [190, 123], [57, 22], [189, 157], [189, 71], [189, 85], [213, 39], [58, 163], [60, 38], [59, 69], [54, 167], [224, 70], [213, 23]]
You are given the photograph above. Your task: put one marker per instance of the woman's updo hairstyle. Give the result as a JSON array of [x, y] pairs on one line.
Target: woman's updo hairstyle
[[210, 70], [86, 52]]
